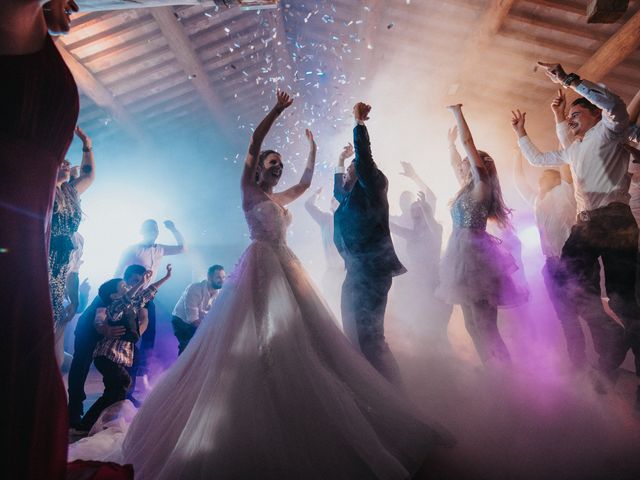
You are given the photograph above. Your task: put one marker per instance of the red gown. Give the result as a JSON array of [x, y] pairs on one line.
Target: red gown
[[38, 112]]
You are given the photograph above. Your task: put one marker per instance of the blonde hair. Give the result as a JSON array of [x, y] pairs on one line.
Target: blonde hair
[[496, 208]]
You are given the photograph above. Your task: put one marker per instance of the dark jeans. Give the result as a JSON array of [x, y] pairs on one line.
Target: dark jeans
[[116, 381], [566, 311], [85, 341], [183, 331], [363, 305], [609, 233]]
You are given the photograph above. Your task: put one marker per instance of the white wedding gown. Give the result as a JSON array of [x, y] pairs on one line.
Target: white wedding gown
[[270, 388]]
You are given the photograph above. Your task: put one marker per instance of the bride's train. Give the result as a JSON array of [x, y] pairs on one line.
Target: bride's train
[[270, 388]]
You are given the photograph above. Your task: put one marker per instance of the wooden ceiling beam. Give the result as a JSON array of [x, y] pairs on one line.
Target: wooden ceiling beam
[[570, 6], [560, 47], [284, 62], [106, 36], [181, 46], [98, 93], [614, 51], [130, 64], [563, 27]]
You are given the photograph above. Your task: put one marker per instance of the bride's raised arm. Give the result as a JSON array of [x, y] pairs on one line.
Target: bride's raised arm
[[291, 193], [248, 181]]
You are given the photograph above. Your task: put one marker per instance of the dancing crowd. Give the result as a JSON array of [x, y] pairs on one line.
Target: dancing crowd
[[262, 360]]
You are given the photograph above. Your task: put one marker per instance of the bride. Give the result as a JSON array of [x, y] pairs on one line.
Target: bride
[[269, 387]]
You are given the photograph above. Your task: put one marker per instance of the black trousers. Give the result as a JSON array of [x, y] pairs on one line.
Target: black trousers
[[84, 343], [116, 381], [566, 311], [363, 305], [609, 233], [183, 331]]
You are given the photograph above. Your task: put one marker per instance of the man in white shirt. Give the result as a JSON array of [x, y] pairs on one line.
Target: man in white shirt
[[148, 253], [194, 304], [554, 207], [605, 226]]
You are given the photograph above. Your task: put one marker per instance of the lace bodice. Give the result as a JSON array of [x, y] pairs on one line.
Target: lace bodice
[[466, 212], [268, 222]]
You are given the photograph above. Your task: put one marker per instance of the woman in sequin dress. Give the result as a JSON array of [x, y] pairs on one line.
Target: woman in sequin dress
[[64, 223], [476, 270]]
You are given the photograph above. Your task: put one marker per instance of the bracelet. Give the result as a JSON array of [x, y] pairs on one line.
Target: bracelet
[[86, 149], [569, 79]]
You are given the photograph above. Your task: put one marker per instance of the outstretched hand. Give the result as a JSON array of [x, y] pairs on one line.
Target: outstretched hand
[[284, 101], [309, 134], [407, 169], [86, 140], [517, 122], [559, 104], [169, 225], [554, 71], [347, 152], [169, 270], [361, 111]]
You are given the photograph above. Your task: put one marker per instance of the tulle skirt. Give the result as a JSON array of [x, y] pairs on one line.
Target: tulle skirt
[[270, 388], [476, 267]]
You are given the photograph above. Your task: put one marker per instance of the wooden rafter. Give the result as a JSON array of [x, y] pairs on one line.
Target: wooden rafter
[[614, 51], [185, 54], [98, 93]]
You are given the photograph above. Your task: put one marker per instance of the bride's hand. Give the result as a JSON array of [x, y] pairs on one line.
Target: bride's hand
[[284, 101], [309, 134]]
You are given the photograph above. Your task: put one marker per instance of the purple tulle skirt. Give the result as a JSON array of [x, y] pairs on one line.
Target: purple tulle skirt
[[476, 267]]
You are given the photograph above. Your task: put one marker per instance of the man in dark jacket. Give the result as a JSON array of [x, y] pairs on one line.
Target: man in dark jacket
[[361, 234]]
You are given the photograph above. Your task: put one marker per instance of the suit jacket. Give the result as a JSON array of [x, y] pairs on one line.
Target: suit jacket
[[361, 222]]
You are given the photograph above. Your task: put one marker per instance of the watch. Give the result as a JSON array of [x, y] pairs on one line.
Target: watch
[[569, 79]]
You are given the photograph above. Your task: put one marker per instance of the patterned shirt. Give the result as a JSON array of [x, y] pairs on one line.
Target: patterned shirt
[[120, 350]]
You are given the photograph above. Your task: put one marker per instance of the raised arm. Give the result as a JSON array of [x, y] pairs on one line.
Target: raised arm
[[522, 185], [559, 109], [248, 179], [181, 246], [163, 280], [614, 111], [88, 165], [366, 169], [476, 164], [292, 193], [404, 232], [310, 206], [339, 191], [533, 155], [410, 172], [454, 156]]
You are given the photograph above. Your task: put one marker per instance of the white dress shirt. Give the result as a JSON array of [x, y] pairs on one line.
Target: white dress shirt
[[599, 162], [555, 214], [194, 302], [147, 256]]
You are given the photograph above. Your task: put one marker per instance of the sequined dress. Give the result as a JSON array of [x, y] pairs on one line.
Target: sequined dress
[[270, 388], [475, 266], [64, 223]]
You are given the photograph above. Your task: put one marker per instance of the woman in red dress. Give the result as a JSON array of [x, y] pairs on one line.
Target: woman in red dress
[[39, 109]]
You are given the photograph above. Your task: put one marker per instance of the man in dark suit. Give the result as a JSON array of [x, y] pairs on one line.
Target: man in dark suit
[[361, 234]]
